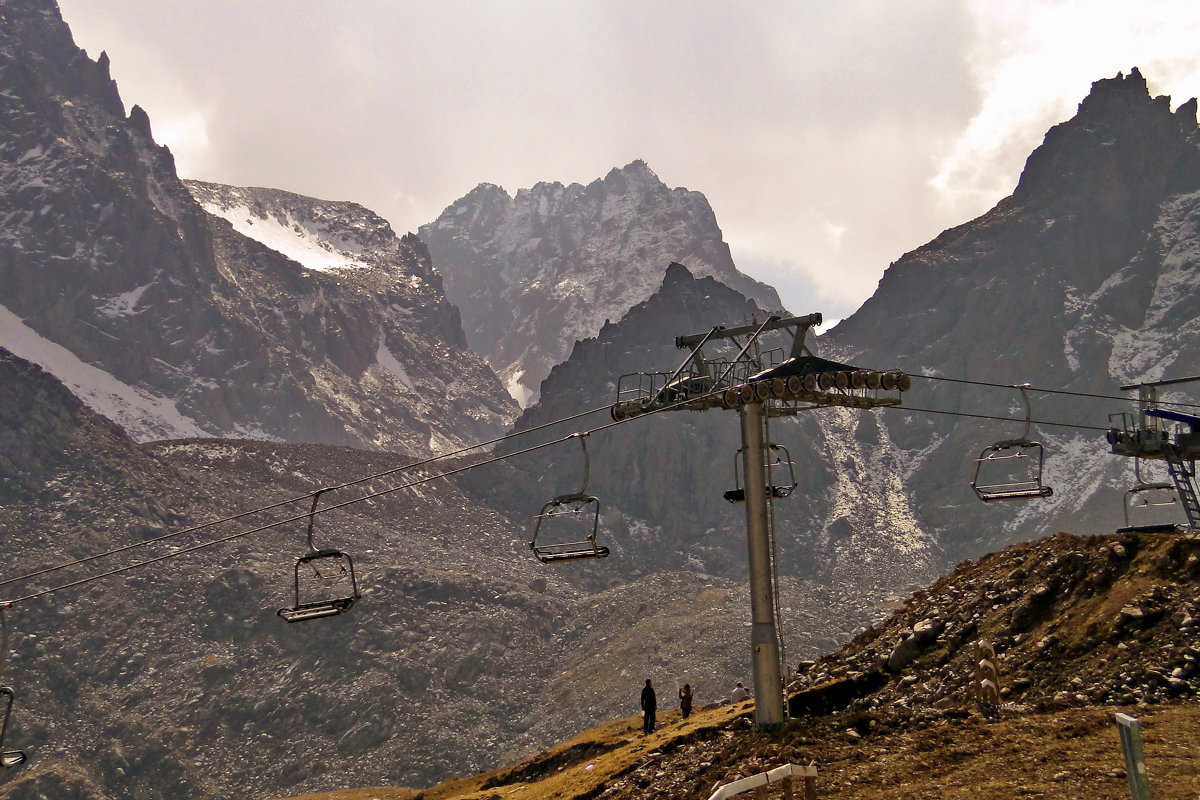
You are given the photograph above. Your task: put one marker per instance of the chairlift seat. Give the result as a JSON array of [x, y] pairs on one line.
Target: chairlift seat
[[739, 495], [1166, 527], [570, 551], [321, 608], [12, 758], [989, 493]]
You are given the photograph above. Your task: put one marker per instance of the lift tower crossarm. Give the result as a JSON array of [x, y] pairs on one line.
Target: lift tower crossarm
[[1170, 382], [774, 324]]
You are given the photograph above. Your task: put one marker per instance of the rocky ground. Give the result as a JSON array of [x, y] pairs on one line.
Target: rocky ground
[[1083, 627]]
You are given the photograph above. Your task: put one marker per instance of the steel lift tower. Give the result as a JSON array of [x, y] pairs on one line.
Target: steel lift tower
[[758, 384], [1152, 437]]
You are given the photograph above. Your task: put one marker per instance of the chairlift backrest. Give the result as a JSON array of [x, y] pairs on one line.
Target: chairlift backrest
[[1142, 498], [991, 483], [311, 608], [780, 473]]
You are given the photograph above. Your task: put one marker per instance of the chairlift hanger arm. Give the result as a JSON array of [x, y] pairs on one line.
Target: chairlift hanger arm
[[312, 515]]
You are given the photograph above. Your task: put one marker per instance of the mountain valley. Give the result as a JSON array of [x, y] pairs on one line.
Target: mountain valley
[[186, 367]]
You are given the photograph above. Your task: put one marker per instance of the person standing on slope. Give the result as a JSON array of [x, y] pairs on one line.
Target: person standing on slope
[[649, 707], [685, 701]]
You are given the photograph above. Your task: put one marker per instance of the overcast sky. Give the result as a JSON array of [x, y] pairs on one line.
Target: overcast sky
[[829, 137]]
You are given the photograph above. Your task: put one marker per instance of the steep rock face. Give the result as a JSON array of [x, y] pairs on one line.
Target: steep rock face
[[1084, 279], [536, 272], [849, 522], [368, 311], [44, 429], [118, 281]]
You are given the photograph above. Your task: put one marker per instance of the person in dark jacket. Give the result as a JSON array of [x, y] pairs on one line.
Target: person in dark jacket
[[685, 701], [649, 707]]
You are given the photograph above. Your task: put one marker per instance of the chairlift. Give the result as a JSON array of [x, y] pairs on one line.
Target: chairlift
[[781, 475], [996, 477], [8, 758], [577, 511], [1144, 496], [328, 565]]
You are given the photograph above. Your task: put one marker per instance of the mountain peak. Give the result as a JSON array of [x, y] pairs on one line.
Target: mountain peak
[[636, 173], [1118, 90], [486, 193], [677, 273], [1120, 136]]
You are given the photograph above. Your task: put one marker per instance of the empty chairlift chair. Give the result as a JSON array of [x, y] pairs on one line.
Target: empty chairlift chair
[[330, 567], [566, 527], [1012, 469], [781, 474], [1148, 504], [8, 758]]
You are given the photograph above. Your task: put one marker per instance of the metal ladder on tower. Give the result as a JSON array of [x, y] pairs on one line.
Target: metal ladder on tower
[[1184, 475]]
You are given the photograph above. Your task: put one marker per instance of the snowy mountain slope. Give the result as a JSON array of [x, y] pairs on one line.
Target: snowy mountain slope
[[535, 272], [144, 415], [105, 253]]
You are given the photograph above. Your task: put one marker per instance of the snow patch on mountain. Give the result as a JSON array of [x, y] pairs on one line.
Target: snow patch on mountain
[[388, 361], [1070, 469], [1149, 351], [288, 237], [145, 416], [870, 490], [518, 390], [126, 303]]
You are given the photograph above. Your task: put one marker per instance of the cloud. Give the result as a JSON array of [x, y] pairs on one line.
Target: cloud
[[187, 137], [887, 121], [1034, 61]]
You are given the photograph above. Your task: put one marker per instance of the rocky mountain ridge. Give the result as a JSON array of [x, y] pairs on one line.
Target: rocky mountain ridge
[[1081, 281], [534, 272], [172, 322], [848, 524]]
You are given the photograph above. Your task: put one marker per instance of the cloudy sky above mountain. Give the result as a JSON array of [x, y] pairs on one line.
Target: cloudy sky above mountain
[[830, 138]]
